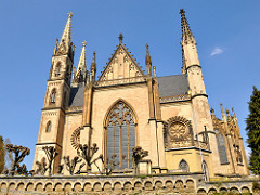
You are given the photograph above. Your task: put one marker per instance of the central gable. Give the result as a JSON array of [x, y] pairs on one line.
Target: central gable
[[121, 65]]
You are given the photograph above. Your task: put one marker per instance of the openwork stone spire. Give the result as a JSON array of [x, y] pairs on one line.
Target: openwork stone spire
[[187, 36], [67, 31], [82, 66]]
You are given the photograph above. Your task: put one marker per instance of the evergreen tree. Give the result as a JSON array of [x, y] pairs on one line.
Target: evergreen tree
[[253, 131], [2, 154]]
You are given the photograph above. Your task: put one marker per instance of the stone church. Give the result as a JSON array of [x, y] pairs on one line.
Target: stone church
[[126, 107]]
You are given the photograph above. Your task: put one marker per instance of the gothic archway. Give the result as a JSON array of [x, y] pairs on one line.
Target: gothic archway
[[120, 135]]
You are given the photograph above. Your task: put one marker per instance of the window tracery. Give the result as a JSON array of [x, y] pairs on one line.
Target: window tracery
[[221, 147], [120, 135], [178, 133]]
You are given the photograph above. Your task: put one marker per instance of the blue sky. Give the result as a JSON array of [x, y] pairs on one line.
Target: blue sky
[[227, 33]]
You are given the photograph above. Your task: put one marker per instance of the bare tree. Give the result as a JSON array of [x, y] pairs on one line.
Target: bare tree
[[19, 154], [51, 153]]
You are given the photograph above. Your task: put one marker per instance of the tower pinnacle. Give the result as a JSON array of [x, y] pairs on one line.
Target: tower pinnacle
[[66, 32], [187, 35], [81, 72], [93, 67], [65, 43], [148, 61]]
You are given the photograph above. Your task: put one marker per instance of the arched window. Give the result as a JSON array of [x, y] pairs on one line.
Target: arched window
[[58, 69], [120, 135], [53, 96], [205, 169], [221, 147], [183, 165], [48, 128]]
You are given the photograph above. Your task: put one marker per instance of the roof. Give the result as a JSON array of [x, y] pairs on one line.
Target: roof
[[76, 96], [173, 85], [168, 86]]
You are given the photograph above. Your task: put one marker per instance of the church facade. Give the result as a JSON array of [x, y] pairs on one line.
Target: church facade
[[126, 107]]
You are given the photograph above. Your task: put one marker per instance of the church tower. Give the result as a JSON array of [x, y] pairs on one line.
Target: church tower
[[56, 97], [203, 128]]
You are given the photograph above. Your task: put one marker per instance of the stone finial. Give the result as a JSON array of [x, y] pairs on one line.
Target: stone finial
[[233, 113], [154, 71], [211, 110], [227, 111]]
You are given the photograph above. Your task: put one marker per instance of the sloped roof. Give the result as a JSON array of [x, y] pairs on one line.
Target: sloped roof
[[76, 96], [173, 85], [168, 86]]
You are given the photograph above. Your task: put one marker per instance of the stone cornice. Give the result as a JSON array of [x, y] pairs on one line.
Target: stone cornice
[[175, 98]]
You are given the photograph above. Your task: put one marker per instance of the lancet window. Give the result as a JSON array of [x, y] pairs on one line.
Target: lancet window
[[48, 128], [221, 147], [53, 97], [58, 69], [120, 136]]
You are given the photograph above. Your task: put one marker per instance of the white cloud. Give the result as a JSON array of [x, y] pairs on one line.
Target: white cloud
[[216, 51]]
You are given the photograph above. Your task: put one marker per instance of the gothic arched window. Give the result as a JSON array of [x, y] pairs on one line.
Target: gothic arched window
[[120, 135], [183, 165], [58, 69], [205, 169], [48, 128], [221, 147], [53, 96]]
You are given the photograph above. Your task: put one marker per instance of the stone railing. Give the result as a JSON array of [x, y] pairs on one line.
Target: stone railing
[[74, 109], [189, 143], [175, 98], [114, 82]]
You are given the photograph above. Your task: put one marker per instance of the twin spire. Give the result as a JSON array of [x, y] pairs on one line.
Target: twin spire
[[65, 44], [81, 72]]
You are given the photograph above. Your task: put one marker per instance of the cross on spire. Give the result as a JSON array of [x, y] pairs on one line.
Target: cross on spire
[[120, 38]]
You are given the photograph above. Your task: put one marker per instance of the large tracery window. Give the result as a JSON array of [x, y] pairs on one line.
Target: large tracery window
[[120, 135]]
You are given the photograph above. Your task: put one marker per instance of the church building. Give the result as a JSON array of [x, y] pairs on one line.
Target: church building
[[169, 117]]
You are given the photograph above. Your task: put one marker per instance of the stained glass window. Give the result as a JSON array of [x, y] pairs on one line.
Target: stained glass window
[[120, 135], [221, 147]]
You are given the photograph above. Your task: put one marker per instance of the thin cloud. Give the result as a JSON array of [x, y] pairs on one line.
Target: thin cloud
[[216, 51]]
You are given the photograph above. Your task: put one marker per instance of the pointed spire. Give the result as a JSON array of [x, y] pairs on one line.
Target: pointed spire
[[154, 71], [55, 48], [234, 113], [66, 33], [187, 35], [93, 67], [65, 43], [82, 66], [222, 113], [148, 61]]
